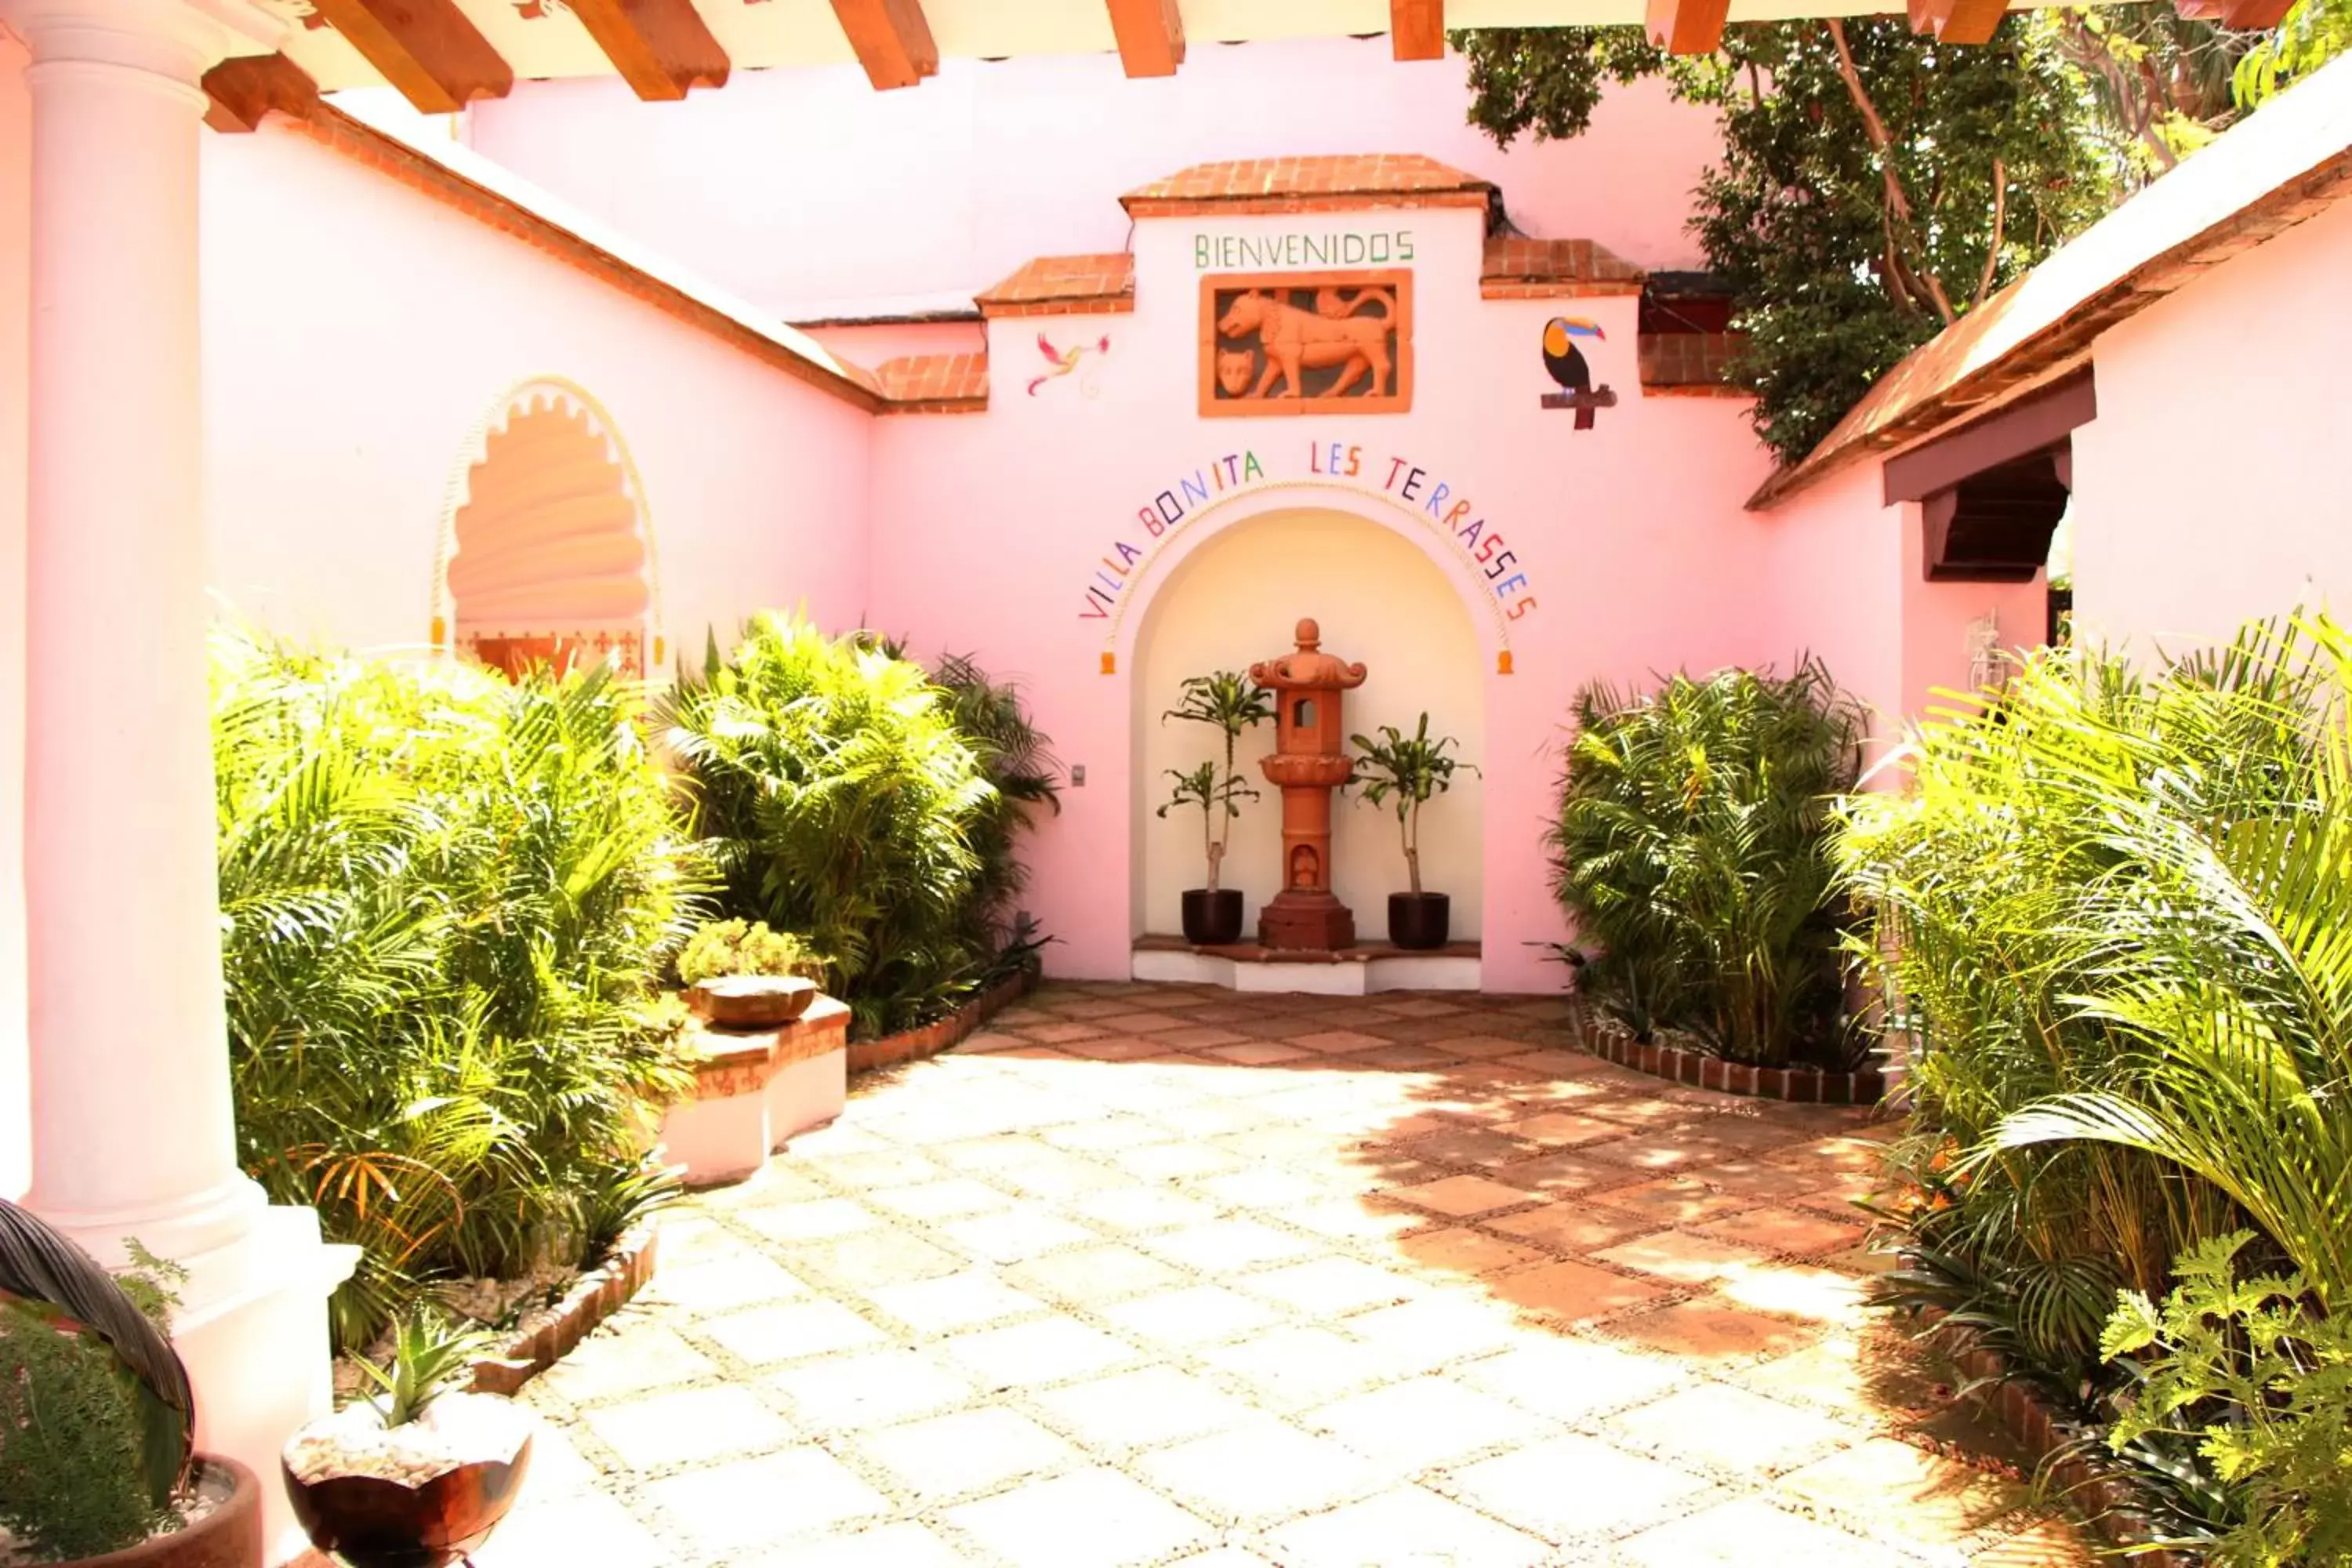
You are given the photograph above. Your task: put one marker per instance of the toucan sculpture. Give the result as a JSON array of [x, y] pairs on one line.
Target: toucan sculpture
[[1566, 363]]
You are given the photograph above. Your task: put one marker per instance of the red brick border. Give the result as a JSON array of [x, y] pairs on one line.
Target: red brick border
[[595, 1296], [1798, 1086], [912, 1045]]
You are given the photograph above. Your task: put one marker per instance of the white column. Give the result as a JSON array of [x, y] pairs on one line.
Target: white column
[[132, 1128]]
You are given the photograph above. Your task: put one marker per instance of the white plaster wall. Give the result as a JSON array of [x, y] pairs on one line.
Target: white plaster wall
[[355, 332], [2215, 486], [15, 231], [1381, 604]]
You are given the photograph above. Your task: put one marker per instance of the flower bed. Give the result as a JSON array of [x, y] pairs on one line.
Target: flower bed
[[913, 1045], [1612, 1042], [596, 1295]]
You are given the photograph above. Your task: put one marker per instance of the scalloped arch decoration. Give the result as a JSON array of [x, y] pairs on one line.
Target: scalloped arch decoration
[[546, 546]]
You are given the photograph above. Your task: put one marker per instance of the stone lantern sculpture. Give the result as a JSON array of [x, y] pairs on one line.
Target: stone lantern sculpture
[[1308, 763]]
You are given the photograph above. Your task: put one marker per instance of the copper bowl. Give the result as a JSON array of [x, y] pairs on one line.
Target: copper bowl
[[368, 1523]]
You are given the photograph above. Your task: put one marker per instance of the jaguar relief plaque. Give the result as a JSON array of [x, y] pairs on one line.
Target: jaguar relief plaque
[[1306, 342]]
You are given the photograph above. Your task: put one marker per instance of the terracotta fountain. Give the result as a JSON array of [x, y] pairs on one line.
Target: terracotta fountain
[[1308, 763]]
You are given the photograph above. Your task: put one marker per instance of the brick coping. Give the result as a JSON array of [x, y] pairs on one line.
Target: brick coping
[[912, 1045], [596, 1295], [1796, 1086]]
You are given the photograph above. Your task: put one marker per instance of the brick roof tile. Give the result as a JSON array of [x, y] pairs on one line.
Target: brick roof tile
[[933, 383], [1278, 184], [1540, 268], [1064, 285]]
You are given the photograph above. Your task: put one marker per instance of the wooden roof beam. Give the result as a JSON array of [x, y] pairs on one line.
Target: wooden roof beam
[[1417, 29], [1959, 21], [1686, 26], [1150, 35], [892, 39], [661, 47], [426, 48], [244, 88], [2251, 15]]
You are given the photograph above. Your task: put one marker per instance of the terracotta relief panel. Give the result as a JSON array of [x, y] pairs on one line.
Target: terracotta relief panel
[[1306, 342]]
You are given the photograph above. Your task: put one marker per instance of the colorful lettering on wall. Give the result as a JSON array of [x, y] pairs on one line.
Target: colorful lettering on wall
[[1306, 342], [1565, 364], [1227, 252], [1436, 503]]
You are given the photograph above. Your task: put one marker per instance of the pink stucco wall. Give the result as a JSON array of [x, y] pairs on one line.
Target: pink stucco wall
[[960, 181], [2215, 486], [356, 331], [989, 530], [15, 220]]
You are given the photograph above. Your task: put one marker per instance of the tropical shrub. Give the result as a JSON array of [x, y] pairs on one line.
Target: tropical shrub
[[840, 802], [1228, 703], [1409, 770], [1017, 759], [1692, 854], [744, 947], [444, 895]]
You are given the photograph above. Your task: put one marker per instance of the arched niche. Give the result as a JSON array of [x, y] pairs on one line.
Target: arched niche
[[1235, 599], [546, 548]]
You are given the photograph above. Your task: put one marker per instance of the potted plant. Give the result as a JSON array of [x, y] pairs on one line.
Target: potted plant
[[740, 976], [1410, 768], [97, 1422], [1228, 701], [415, 1475]]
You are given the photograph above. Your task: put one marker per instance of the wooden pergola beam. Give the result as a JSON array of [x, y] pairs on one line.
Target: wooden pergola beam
[[892, 39], [1417, 29], [426, 48], [1686, 26], [244, 90], [661, 47], [1150, 35], [2252, 15], [1958, 21]]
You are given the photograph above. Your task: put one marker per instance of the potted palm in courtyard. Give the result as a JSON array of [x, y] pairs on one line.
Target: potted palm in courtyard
[[1411, 769], [97, 1420], [1231, 704]]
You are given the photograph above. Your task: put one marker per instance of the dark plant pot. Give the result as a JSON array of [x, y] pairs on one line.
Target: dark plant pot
[[373, 1523], [228, 1537], [1212, 920], [1419, 921], [750, 1001]]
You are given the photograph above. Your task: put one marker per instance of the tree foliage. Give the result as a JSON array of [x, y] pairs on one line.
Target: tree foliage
[[1874, 184]]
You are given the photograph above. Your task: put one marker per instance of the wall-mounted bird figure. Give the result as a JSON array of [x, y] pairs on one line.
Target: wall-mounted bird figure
[[1566, 361], [1064, 360]]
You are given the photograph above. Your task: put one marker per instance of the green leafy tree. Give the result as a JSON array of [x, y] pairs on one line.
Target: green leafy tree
[[1874, 186], [2314, 33]]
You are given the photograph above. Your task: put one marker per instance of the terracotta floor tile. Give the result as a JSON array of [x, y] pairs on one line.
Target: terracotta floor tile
[[1201, 1314], [950, 1199], [1406, 1058], [1902, 1494], [1014, 1235], [1683, 1257], [1469, 1146], [1225, 1244], [789, 1331], [1178, 1162], [1254, 1053], [1572, 1225], [954, 1301], [623, 1360], [2045, 1543], [1662, 1153], [1421, 1007], [1762, 1183], [874, 1258], [728, 1507], [1336, 1042], [1426, 1421], [1573, 1487], [1141, 1208], [847, 1392], [810, 1219], [1334, 1287], [1799, 1290], [1560, 1128], [1729, 1429], [1713, 1329], [688, 1428], [1455, 1249], [888, 1546], [1784, 1230], [1089, 1275], [1677, 1200], [1440, 1328], [1117, 1048], [881, 1170], [1094, 1519], [1751, 1534], [1156, 1404], [1573, 1290], [966, 1451], [590, 1528], [1260, 1470], [1571, 1379], [1201, 1037], [1552, 1061], [1461, 1196], [1123, 1129], [1275, 1191], [1051, 1350], [1410, 1525], [1299, 1366], [1062, 1033], [1568, 1172]]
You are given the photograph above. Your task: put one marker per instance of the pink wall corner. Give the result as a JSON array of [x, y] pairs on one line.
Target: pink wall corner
[[989, 163], [1936, 622], [2215, 487], [16, 238], [989, 529], [1836, 561], [358, 332]]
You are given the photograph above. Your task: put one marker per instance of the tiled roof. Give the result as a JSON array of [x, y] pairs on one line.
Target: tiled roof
[[1064, 286], [934, 384], [2266, 174], [1690, 365], [1553, 269], [1309, 184]]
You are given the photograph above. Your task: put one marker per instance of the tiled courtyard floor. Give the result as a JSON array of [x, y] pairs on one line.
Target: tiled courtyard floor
[[1157, 1275]]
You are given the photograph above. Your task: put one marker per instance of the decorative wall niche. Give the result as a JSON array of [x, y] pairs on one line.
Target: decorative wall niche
[[1306, 342]]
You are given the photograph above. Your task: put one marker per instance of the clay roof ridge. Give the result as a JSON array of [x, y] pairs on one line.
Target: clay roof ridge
[[1311, 177]]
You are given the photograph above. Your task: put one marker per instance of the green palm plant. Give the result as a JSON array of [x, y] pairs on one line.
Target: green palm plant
[[1228, 703], [1414, 769], [1691, 852]]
